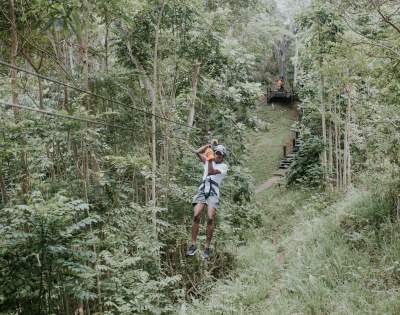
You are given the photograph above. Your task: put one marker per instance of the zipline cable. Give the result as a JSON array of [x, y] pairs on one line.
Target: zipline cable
[[49, 113], [6, 64], [82, 119], [196, 138]]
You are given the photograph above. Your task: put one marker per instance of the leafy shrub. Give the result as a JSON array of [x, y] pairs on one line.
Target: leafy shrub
[[306, 168], [55, 253], [46, 254]]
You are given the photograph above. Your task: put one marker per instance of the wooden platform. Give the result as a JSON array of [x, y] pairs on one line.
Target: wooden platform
[[280, 96]]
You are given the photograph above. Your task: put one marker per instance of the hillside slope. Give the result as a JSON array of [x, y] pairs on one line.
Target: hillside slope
[[259, 259], [316, 253], [265, 147]]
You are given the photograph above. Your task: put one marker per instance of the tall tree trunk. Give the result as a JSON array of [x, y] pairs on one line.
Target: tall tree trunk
[[40, 87], [349, 137], [195, 79], [85, 56], [330, 143], [340, 156], [107, 25], [345, 152], [83, 53], [336, 131], [296, 62], [4, 195], [322, 104], [323, 121], [71, 58], [154, 106], [65, 56], [14, 50]]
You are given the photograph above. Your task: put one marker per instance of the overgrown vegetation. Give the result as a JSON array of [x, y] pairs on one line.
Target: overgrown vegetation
[[101, 105], [316, 253], [96, 164], [330, 239], [349, 105]]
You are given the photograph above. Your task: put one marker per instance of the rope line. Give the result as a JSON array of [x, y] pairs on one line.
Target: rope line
[[96, 122], [38, 75], [49, 113]]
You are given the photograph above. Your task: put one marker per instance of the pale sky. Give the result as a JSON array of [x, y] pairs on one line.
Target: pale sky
[[288, 7]]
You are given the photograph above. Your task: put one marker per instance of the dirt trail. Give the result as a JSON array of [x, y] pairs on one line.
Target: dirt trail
[[267, 184], [264, 156], [276, 178]]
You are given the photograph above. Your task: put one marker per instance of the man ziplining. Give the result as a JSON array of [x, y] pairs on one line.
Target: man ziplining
[[208, 193]]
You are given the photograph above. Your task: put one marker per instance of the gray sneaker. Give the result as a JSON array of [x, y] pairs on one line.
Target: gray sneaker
[[192, 250], [206, 253]]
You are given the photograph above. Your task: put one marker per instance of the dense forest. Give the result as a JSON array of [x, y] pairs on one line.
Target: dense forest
[[102, 104]]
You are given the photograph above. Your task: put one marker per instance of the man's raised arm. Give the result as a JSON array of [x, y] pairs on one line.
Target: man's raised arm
[[200, 152], [212, 170]]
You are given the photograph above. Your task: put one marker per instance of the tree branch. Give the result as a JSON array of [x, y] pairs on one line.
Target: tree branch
[[385, 18]]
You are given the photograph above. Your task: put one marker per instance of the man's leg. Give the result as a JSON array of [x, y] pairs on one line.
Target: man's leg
[[210, 225], [198, 208]]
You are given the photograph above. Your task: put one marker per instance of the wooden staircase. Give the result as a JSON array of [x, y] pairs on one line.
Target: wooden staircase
[[288, 158]]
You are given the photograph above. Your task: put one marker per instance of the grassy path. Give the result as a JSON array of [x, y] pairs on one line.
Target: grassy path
[[256, 283], [315, 252], [256, 280], [266, 146]]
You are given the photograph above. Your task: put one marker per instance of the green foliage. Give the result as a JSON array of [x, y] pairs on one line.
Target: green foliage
[[324, 27], [46, 252], [306, 169], [114, 253], [345, 63], [338, 254], [343, 263], [49, 249]]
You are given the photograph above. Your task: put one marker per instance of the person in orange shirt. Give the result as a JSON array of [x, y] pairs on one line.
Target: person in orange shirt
[[279, 84]]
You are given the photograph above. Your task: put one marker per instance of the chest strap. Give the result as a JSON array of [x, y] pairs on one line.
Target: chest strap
[[209, 186]]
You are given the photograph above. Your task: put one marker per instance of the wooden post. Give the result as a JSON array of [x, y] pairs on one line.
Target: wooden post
[[284, 151], [398, 207]]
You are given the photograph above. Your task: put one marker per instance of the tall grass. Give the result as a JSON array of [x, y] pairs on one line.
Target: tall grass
[[345, 262], [341, 254], [340, 258], [265, 147], [258, 273], [253, 281]]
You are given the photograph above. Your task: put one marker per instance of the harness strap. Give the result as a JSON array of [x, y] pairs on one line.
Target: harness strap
[[211, 187]]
